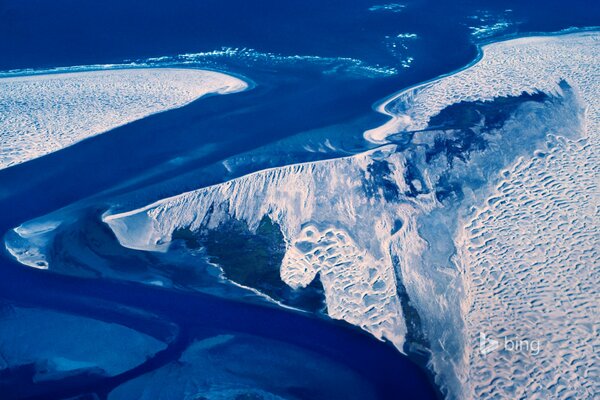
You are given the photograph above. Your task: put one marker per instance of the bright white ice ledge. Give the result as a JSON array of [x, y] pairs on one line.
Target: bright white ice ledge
[[40, 114]]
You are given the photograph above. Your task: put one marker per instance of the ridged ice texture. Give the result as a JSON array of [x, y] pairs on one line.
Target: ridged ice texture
[[333, 225], [40, 114]]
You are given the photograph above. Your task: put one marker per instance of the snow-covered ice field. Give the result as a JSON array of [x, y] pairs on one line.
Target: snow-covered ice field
[[528, 255]]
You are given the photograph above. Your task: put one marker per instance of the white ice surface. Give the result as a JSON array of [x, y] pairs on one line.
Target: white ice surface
[[531, 264], [529, 64], [40, 114]]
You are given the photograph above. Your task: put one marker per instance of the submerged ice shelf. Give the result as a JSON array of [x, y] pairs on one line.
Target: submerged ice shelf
[[485, 224], [40, 114]]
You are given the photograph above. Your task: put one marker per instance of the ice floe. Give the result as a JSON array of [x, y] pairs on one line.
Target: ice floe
[[485, 24], [399, 46], [43, 113], [391, 7]]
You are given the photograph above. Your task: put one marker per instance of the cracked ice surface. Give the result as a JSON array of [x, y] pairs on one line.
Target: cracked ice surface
[[40, 114]]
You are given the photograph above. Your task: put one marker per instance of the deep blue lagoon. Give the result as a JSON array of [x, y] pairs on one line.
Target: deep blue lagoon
[[98, 303]]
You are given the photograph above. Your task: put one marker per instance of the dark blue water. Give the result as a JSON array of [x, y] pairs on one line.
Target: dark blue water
[[293, 103], [198, 316]]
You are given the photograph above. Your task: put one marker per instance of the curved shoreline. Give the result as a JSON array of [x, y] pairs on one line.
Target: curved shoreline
[[380, 107], [18, 73], [52, 111], [378, 134], [524, 61], [385, 104]]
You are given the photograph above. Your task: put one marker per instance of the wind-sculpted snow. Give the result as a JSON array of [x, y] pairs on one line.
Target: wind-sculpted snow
[[40, 114], [529, 253], [477, 215]]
